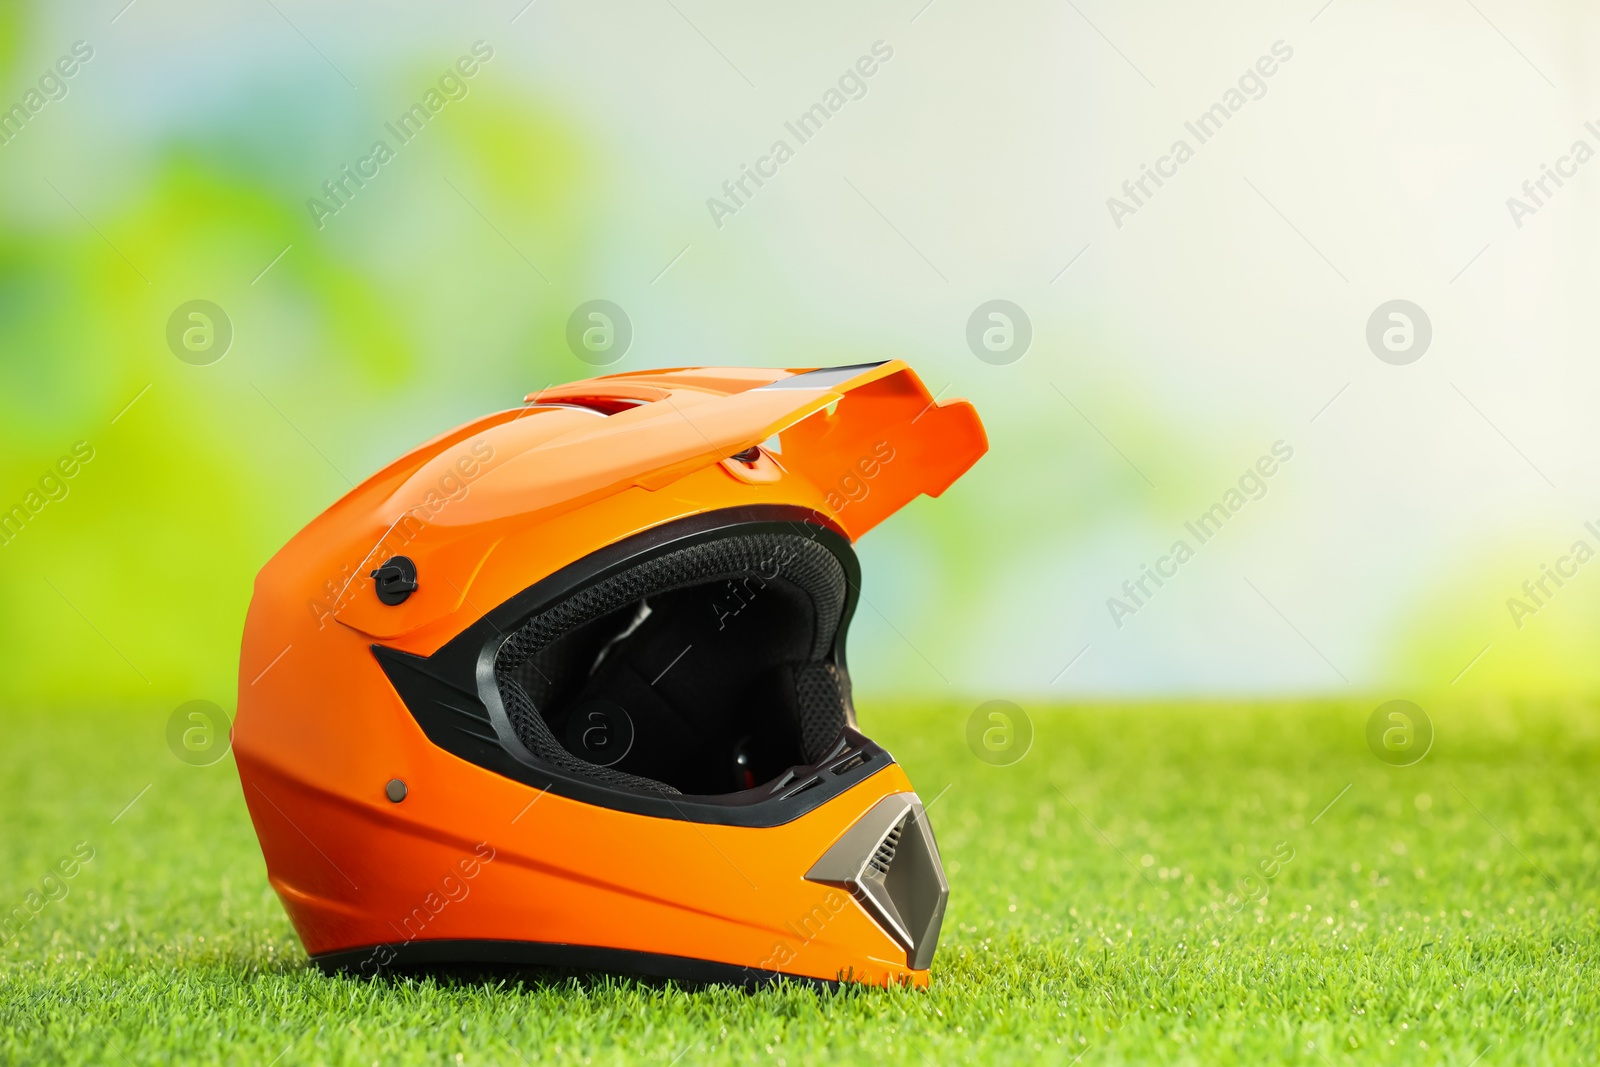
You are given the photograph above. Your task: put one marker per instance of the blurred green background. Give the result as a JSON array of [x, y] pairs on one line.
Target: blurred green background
[[1168, 352]]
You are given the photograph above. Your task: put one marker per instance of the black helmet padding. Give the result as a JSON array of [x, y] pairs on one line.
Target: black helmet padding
[[720, 654]]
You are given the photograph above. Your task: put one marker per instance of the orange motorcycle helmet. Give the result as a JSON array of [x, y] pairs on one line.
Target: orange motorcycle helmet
[[567, 687]]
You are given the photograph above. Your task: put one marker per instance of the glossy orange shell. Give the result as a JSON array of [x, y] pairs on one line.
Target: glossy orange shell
[[486, 511]]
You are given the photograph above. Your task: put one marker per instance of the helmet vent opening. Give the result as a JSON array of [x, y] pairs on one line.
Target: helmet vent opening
[[809, 783], [884, 855], [600, 405], [850, 763]]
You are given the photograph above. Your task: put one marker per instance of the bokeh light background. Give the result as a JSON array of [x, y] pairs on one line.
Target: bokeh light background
[[1168, 352]]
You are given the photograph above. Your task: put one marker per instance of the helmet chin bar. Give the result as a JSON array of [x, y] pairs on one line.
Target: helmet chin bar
[[890, 863]]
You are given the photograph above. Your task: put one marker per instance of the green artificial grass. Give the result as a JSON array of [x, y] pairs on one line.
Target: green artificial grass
[[1101, 909]]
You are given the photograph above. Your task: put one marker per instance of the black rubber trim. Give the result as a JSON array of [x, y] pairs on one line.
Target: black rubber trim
[[403, 956], [450, 693]]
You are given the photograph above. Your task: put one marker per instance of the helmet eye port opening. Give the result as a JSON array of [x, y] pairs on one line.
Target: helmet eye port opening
[[707, 672], [469, 697]]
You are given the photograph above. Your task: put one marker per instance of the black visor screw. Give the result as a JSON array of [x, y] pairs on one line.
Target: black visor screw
[[395, 580]]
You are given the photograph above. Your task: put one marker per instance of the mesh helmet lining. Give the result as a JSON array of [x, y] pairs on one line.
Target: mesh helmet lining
[[720, 654]]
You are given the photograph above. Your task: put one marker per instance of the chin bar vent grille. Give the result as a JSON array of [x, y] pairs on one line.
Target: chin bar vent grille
[[885, 852], [890, 864]]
